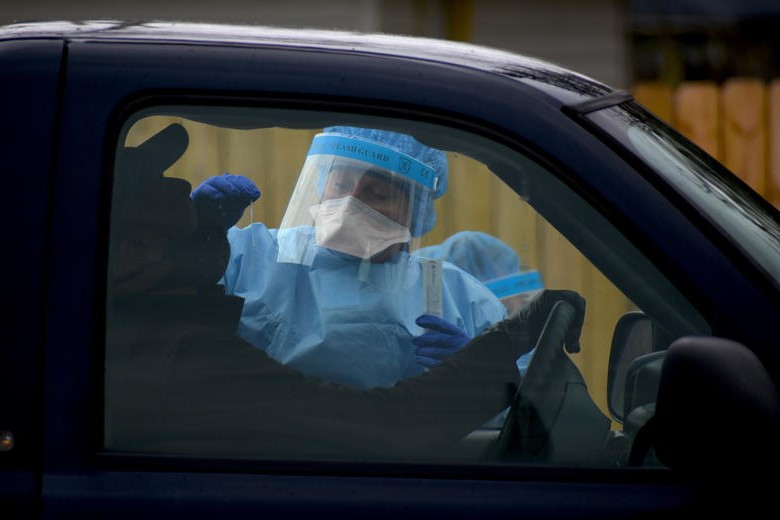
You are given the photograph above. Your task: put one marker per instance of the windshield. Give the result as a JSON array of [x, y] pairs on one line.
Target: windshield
[[727, 203]]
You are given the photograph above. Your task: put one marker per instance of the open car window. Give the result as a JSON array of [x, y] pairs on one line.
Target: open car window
[[268, 269]]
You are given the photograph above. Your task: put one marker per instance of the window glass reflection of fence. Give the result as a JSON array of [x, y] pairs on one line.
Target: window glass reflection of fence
[[737, 122]]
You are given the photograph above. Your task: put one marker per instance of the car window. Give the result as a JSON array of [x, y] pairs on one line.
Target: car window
[[268, 269]]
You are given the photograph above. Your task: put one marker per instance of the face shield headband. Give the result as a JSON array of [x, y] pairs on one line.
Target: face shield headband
[[515, 289], [377, 155], [514, 284]]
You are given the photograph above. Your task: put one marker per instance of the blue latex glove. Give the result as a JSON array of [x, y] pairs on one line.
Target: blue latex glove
[[222, 199], [440, 341]]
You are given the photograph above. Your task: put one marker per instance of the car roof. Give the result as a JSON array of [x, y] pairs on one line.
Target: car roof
[[561, 83]]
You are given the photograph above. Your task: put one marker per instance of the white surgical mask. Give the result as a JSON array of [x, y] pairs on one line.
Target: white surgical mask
[[350, 226]]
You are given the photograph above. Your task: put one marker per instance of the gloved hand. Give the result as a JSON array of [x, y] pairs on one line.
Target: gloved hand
[[221, 199], [524, 326], [441, 340]]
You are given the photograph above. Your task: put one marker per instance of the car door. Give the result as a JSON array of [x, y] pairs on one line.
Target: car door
[[253, 111], [30, 76]]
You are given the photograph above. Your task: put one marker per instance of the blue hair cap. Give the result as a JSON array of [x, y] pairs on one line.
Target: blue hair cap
[[423, 215]]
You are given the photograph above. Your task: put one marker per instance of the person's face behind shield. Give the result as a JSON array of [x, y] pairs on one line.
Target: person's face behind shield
[[381, 191], [382, 224]]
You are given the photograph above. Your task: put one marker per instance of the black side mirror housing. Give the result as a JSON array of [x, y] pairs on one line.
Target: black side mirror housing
[[634, 363]]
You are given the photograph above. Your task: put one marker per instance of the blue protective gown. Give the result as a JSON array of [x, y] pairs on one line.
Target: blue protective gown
[[325, 322]]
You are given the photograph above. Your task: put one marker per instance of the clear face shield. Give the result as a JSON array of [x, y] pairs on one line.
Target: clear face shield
[[355, 198]]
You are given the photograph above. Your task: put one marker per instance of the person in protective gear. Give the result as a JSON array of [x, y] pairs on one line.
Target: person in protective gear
[[493, 263], [334, 291], [180, 381]]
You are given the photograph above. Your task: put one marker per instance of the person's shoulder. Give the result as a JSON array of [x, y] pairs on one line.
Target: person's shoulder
[[451, 270], [250, 234], [451, 273], [254, 228]]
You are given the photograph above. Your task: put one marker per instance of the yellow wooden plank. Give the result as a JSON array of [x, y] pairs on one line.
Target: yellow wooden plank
[[697, 114], [773, 178], [658, 97], [744, 103], [515, 223], [468, 196], [284, 158]]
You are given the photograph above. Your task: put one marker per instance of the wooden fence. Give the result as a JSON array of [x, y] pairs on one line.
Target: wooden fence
[[737, 122]]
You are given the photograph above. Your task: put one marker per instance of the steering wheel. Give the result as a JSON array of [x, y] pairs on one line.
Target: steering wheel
[[524, 435]]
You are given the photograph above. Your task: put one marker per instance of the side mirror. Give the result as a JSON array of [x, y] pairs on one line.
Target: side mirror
[[634, 363]]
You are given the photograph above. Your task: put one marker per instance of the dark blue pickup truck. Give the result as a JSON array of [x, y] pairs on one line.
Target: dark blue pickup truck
[[220, 242]]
